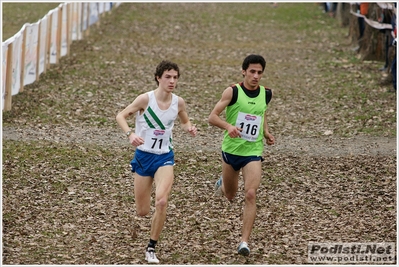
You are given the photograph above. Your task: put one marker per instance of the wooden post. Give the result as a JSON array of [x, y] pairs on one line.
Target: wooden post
[[98, 14], [103, 4], [8, 94], [59, 34], [79, 21], [87, 32], [69, 26], [81, 24], [48, 48], [23, 48], [38, 50]]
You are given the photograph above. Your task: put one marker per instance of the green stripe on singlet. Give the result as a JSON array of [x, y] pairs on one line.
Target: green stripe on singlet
[[155, 117], [149, 122]]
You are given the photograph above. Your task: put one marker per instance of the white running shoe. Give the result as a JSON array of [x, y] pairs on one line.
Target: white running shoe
[[150, 256], [243, 249], [218, 187]]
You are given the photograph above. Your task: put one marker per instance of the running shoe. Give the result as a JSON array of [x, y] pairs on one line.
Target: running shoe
[[218, 187], [243, 249], [150, 256]]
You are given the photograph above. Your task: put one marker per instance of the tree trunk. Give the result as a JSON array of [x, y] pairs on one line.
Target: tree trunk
[[343, 13], [372, 46], [354, 33]]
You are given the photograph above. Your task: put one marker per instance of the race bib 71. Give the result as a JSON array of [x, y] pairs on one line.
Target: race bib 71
[[156, 140]]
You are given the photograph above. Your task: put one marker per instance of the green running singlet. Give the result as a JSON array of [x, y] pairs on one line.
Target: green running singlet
[[247, 113]]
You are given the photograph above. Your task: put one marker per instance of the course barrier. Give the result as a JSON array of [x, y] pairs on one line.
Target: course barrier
[[32, 50], [376, 24]]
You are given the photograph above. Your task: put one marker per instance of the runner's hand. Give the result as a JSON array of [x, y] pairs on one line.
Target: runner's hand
[[192, 130], [136, 140], [269, 139], [234, 131]]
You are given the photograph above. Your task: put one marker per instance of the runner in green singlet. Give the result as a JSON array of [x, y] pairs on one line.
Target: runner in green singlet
[[245, 127]]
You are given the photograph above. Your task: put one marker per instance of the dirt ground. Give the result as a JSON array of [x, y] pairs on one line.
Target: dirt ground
[[310, 146]]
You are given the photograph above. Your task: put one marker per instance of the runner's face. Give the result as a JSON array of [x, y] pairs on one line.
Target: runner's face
[[252, 75], [168, 81]]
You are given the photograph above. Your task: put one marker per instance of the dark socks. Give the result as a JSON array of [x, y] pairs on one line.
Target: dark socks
[[152, 244]]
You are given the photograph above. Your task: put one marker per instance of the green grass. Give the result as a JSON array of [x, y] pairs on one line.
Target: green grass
[[15, 15]]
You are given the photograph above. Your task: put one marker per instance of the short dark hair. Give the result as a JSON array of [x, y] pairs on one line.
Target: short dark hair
[[164, 66], [254, 59]]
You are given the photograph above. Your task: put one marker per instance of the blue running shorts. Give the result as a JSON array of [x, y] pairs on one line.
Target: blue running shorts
[[146, 164], [238, 162]]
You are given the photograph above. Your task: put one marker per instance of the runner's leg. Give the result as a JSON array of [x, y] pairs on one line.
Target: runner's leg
[[142, 193], [230, 181], [163, 185], [252, 173]]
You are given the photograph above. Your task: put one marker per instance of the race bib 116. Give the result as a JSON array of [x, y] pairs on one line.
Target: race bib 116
[[250, 125]]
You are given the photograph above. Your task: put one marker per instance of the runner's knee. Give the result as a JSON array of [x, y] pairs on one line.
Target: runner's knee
[[161, 203], [141, 211], [230, 196], [250, 195]]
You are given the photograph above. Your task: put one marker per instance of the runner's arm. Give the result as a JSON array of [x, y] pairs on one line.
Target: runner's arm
[[269, 137], [139, 104], [184, 119], [214, 117]]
